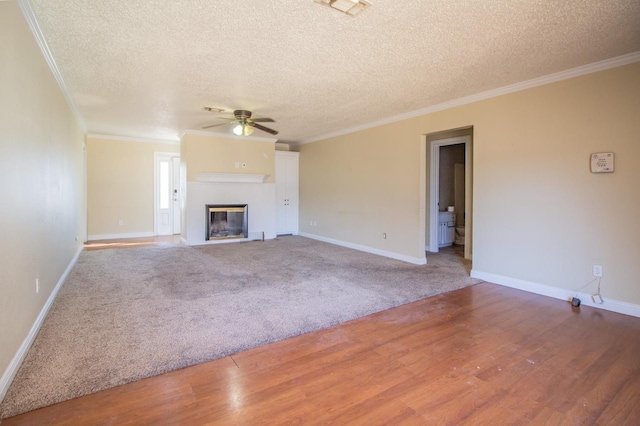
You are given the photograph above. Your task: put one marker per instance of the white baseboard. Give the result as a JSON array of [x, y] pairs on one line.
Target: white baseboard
[[392, 255], [119, 236], [558, 293], [16, 362]]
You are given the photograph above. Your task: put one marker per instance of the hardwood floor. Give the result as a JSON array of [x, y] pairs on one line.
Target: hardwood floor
[[485, 354], [132, 242]]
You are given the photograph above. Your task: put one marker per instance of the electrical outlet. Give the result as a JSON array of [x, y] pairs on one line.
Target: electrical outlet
[[597, 270], [120, 222], [384, 235]]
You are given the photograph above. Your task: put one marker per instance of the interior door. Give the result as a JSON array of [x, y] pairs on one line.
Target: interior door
[[292, 194], [281, 196], [287, 193]]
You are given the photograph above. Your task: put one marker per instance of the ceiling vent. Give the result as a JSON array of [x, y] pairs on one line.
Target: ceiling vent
[[350, 7]]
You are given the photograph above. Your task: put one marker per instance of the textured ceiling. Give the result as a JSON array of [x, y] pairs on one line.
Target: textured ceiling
[[145, 68]]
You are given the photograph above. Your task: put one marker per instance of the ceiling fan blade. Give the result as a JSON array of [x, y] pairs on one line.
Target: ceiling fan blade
[[263, 120], [264, 129], [215, 125]]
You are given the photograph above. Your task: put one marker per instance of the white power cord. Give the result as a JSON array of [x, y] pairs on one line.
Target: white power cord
[[597, 298]]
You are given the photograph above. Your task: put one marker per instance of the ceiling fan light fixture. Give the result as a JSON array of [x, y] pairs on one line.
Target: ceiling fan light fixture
[[349, 7], [344, 5], [244, 125], [243, 129], [356, 9]]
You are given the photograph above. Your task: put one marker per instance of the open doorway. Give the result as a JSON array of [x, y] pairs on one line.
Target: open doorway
[[450, 192]]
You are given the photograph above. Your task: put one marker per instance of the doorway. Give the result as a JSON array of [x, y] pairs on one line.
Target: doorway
[[462, 179], [167, 197]]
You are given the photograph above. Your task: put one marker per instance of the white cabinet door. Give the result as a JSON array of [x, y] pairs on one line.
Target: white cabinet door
[[287, 192]]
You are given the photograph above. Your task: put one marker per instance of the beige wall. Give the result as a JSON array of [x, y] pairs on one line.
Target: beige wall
[[41, 167], [359, 186], [450, 155], [539, 215], [211, 154], [120, 185]]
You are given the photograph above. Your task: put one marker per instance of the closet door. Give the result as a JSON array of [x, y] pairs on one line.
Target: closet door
[[286, 193]]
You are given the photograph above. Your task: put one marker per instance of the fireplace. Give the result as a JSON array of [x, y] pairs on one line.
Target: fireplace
[[226, 221]]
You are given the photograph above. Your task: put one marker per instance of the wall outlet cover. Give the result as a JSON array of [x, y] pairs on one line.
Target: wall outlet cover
[[597, 270]]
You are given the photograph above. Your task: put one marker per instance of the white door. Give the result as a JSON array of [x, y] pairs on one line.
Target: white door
[[292, 194], [175, 172], [287, 193], [167, 197], [281, 196]]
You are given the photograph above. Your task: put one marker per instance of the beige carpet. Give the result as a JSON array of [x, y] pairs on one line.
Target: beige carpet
[[132, 313]]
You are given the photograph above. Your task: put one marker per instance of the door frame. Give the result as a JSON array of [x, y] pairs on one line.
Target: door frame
[[156, 155], [434, 191]]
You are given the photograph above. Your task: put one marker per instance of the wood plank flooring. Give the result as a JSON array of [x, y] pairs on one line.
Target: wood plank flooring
[[121, 243], [485, 354]]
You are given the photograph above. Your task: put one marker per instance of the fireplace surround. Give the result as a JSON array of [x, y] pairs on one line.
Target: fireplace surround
[[226, 221]]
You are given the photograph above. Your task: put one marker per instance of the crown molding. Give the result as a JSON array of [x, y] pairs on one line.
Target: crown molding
[[32, 22], [133, 139], [226, 136], [540, 81]]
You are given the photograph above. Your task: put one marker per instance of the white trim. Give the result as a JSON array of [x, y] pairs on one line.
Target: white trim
[[11, 371], [32, 22], [423, 210], [132, 139], [385, 253], [434, 186], [540, 81], [232, 177], [227, 136], [558, 293], [120, 236]]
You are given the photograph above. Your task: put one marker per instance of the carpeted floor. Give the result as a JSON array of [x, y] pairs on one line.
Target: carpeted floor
[[127, 314]]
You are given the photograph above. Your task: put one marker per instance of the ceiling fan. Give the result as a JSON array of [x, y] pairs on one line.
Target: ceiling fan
[[243, 123]]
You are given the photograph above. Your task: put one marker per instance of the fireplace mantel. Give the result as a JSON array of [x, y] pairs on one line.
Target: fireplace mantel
[[231, 177]]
